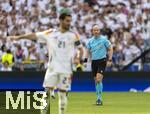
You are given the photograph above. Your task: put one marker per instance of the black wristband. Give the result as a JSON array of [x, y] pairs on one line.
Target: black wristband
[[110, 60], [85, 60]]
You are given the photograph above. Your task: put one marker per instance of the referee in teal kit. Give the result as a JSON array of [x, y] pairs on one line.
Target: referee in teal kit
[[101, 51]]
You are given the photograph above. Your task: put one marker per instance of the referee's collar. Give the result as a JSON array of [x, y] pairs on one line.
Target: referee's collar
[[97, 37]]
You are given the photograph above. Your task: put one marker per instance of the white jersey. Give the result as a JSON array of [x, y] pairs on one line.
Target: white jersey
[[60, 48]]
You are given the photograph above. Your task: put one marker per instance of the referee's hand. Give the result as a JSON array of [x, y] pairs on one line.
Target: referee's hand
[[109, 63]]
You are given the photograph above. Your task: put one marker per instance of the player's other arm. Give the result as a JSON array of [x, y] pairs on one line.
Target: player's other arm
[[80, 52], [79, 46], [87, 55], [30, 36], [80, 49]]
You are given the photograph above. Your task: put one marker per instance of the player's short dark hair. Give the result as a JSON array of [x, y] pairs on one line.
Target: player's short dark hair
[[65, 12], [64, 15]]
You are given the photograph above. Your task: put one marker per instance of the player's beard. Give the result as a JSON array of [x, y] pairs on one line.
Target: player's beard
[[67, 27]]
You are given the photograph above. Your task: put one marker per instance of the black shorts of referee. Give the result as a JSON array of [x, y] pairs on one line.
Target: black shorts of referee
[[98, 66]]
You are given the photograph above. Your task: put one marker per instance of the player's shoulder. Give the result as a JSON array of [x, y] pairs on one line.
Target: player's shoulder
[[74, 33], [49, 31]]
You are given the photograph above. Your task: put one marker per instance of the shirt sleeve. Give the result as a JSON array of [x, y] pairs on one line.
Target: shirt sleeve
[[88, 46], [43, 35], [107, 43]]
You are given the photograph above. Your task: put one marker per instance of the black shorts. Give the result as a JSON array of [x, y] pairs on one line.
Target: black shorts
[[98, 66]]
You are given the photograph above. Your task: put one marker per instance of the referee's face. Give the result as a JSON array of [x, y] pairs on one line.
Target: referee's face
[[96, 31]]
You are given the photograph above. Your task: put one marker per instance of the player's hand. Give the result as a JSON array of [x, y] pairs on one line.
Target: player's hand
[[109, 63], [12, 38], [85, 65], [85, 60], [76, 61]]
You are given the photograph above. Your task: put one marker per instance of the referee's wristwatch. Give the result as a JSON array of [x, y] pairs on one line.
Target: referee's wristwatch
[[110, 60]]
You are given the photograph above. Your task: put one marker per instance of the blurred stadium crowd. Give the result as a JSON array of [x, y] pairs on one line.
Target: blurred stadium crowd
[[126, 23]]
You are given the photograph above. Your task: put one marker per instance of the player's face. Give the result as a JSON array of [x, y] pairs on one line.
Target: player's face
[[96, 31], [66, 22]]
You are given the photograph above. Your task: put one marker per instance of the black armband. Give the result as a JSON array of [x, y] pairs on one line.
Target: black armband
[[77, 43], [85, 60]]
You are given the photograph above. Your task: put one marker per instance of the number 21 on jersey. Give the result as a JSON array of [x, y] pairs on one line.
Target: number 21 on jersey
[[61, 44]]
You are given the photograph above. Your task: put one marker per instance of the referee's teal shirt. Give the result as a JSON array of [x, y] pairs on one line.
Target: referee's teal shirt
[[98, 47]]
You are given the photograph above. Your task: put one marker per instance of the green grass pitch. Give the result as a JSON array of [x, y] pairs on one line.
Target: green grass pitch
[[84, 103], [114, 103]]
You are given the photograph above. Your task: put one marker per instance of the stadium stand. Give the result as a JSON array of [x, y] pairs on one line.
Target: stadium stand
[[125, 22]]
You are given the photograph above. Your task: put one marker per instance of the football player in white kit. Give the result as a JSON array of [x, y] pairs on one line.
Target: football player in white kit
[[61, 44]]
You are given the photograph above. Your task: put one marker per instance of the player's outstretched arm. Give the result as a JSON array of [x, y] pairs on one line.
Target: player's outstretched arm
[[30, 36]]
